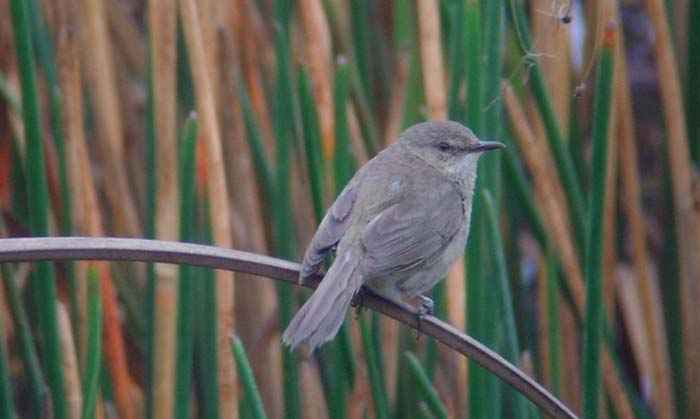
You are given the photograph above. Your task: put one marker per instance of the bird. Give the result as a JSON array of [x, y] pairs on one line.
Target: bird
[[396, 227]]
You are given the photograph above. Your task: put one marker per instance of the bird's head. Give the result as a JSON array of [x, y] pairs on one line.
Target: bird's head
[[449, 146]]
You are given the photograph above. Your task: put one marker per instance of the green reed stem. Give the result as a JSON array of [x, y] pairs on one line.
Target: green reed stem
[[562, 157], [594, 247], [93, 350], [43, 279], [185, 342], [312, 145], [245, 374], [376, 381], [437, 408]]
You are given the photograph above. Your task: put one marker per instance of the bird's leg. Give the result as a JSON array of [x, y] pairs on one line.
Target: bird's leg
[[424, 307], [358, 301]]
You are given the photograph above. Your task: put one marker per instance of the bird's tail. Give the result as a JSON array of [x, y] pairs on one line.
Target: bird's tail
[[321, 316]]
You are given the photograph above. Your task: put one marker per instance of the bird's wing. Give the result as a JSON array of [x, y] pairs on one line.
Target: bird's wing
[[331, 230], [413, 231]]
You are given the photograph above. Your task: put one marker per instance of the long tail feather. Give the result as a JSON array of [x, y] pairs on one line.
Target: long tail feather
[[321, 316]]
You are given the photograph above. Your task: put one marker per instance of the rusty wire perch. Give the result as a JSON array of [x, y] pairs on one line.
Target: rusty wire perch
[[140, 250]]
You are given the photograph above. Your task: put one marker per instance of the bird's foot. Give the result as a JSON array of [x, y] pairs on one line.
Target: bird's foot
[[358, 302], [424, 307]]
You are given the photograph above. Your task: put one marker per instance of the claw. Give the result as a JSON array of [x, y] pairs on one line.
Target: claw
[[424, 308]]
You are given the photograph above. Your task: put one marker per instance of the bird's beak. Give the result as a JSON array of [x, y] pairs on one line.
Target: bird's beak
[[482, 146]]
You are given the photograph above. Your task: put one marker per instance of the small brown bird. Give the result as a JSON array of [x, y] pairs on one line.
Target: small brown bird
[[397, 227]]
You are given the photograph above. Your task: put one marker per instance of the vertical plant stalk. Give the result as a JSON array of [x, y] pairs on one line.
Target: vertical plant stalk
[[552, 40], [428, 13], [42, 283], [254, 68], [553, 325], [218, 198], [594, 250], [96, 48], [283, 238], [7, 405], [423, 381], [693, 81], [88, 219], [381, 407], [544, 182], [209, 22], [544, 320], [319, 58], [562, 158], [74, 391], [507, 315], [128, 39], [184, 317], [630, 191], [162, 18], [68, 68], [561, 238], [38, 390], [247, 379], [92, 364], [687, 219], [123, 387], [631, 309], [257, 299]]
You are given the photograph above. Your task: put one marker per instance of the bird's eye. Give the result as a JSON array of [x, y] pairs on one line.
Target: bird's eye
[[444, 147]]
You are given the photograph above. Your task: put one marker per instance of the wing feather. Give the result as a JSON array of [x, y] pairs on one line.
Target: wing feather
[[331, 230], [411, 233]]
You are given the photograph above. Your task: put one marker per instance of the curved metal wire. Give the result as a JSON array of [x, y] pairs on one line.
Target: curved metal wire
[[140, 250]]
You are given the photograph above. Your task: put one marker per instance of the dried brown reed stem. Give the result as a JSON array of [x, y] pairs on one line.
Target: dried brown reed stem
[[218, 198], [162, 17], [356, 144], [96, 48], [209, 19], [313, 400], [68, 63], [359, 401], [318, 52], [633, 318], [687, 221], [662, 395], [679, 16], [251, 40], [570, 351], [561, 236], [552, 41], [71, 372], [398, 96], [85, 206], [113, 349], [544, 183], [428, 13], [128, 40], [256, 302]]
